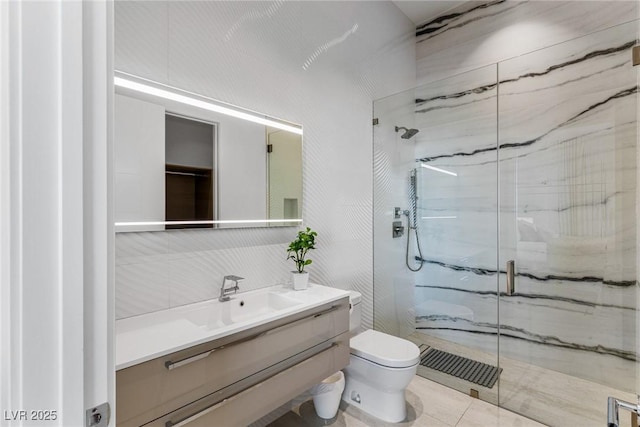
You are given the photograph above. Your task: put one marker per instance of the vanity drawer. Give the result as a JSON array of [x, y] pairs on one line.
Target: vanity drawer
[[250, 404], [150, 390]]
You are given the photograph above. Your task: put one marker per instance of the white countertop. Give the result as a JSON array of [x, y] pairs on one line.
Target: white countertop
[[148, 336]]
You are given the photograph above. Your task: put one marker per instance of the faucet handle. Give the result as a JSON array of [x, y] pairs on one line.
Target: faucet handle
[[234, 278]]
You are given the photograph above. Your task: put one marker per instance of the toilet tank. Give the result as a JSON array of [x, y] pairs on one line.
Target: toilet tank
[[355, 312]]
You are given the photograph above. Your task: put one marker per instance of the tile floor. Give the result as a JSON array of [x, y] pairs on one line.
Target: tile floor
[[548, 396], [428, 404]]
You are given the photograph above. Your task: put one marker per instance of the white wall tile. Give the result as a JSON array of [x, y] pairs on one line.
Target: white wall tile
[[314, 63], [142, 287]]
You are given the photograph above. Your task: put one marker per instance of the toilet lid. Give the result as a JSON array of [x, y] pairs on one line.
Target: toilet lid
[[385, 349]]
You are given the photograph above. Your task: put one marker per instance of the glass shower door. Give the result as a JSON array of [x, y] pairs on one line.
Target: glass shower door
[[568, 157], [455, 292]]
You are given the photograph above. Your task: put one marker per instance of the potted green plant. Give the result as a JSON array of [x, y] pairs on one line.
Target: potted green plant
[[297, 252]]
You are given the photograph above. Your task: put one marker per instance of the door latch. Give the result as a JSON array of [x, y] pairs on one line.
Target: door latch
[[98, 416]]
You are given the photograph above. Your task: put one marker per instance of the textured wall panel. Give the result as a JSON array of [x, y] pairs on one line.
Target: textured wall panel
[[315, 63]]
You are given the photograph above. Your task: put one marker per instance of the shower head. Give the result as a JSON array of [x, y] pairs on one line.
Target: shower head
[[409, 133]]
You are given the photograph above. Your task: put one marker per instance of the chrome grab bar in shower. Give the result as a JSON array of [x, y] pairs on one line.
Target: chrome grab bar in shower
[[612, 410]]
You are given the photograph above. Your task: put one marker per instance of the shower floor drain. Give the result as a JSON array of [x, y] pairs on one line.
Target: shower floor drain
[[461, 367]]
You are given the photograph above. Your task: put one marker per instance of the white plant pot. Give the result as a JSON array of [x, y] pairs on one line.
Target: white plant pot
[[300, 280]]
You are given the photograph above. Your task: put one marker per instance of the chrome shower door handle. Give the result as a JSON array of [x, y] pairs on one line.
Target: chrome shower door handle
[[511, 277], [612, 410]]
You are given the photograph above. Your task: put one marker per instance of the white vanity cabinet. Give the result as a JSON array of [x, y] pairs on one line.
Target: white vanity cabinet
[[234, 380]]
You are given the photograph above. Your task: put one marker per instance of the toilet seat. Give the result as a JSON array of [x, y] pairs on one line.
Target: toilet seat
[[384, 349]]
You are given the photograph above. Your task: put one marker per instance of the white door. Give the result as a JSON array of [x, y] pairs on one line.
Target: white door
[[56, 237]]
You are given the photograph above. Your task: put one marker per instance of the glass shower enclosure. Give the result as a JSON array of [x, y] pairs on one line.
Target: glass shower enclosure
[[526, 205]]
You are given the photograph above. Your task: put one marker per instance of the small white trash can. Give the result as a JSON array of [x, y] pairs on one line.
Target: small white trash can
[[327, 395]]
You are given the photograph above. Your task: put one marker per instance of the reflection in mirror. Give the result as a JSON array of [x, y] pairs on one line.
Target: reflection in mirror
[[285, 186], [186, 161], [189, 171]]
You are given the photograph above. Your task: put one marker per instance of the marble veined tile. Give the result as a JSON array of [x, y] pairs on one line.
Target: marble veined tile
[[562, 162], [568, 193], [477, 34], [582, 337], [466, 103], [567, 91], [568, 136]]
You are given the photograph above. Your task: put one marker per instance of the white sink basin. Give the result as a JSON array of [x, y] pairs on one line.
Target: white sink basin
[[148, 336], [239, 308]]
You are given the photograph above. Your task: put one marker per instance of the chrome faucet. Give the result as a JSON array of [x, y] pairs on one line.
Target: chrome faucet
[[225, 291]]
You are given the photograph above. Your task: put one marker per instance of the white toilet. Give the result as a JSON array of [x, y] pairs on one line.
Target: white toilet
[[380, 369]]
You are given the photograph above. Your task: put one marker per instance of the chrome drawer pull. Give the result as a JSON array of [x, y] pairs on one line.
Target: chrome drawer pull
[[294, 322], [197, 415], [216, 405], [173, 365]]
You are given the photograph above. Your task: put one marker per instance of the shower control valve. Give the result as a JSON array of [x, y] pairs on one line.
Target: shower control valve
[[397, 229]]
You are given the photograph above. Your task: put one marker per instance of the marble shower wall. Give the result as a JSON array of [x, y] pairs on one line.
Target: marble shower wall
[[457, 214], [315, 63], [568, 180], [478, 34], [551, 83]]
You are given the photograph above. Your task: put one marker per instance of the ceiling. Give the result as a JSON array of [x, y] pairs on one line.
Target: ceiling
[[422, 11]]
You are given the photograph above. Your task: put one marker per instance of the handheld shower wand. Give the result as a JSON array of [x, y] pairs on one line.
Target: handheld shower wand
[[412, 214]]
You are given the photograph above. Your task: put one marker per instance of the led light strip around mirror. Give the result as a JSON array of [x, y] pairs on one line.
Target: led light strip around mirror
[[132, 226], [139, 84]]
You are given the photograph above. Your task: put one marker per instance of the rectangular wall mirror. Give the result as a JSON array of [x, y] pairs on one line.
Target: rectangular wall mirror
[[186, 161]]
